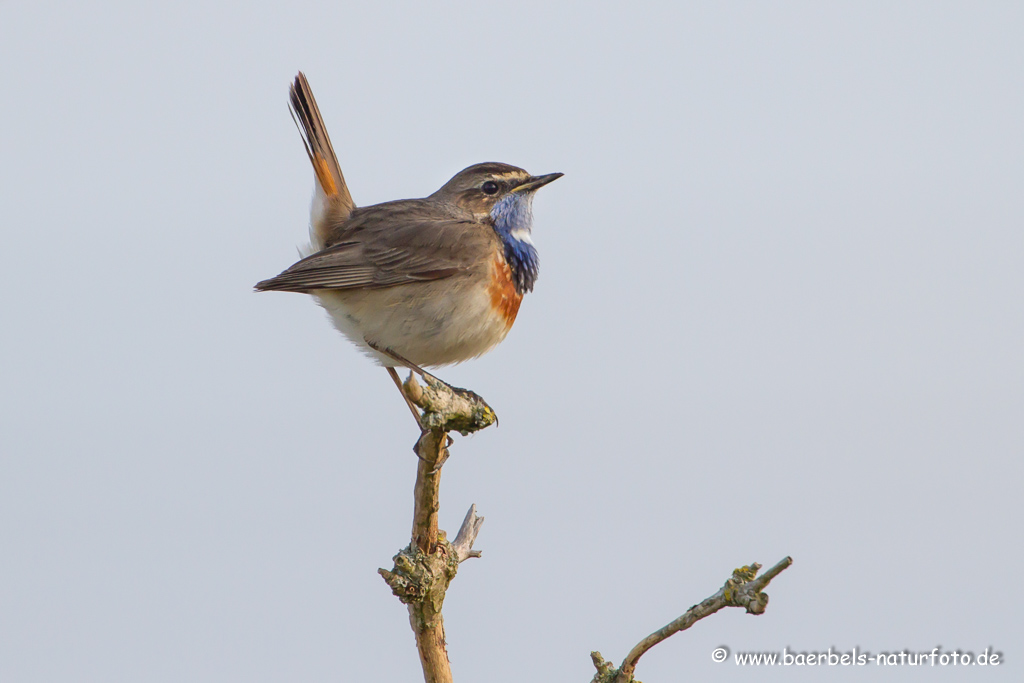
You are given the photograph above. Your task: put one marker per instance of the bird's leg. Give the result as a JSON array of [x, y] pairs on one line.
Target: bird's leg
[[401, 359], [472, 395], [398, 383], [444, 454], [415, 413], [393, 355]]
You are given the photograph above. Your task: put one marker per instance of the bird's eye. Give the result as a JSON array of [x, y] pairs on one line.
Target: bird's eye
[[490, 187]]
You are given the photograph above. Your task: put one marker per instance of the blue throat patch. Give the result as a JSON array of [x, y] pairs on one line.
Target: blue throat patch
[[513, 215]]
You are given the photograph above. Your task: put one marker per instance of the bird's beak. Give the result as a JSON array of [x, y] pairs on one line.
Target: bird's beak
[[536, 182]]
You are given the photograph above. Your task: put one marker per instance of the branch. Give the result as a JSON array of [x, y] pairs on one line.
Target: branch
[[448, 408], [424, 569], [741, 590], [464, 540]]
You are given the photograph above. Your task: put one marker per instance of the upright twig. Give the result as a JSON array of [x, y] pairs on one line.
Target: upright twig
[[425, 567], [466, 537]]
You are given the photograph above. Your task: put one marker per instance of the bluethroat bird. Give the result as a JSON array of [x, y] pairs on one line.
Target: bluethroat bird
[[416, 282]]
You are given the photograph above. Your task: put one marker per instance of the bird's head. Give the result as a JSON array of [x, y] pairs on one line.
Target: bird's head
[[503, 196], [481, 188]]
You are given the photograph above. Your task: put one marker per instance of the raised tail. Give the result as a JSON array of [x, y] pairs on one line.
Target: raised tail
[[333, 202]]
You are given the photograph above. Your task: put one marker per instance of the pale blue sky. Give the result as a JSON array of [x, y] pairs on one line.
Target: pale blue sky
[[779, 312]]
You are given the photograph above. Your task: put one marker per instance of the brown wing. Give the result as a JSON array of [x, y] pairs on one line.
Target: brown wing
[[391, 244]]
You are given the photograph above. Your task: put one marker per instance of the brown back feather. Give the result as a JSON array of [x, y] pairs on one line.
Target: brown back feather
[[411, 240]]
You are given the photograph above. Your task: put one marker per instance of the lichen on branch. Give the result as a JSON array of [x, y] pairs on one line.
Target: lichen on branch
[[447, 408]]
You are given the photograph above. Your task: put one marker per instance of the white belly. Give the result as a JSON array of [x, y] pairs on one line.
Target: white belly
[[429, 323]]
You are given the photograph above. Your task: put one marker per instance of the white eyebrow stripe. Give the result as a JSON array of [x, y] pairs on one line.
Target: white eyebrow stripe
[[511, 175]]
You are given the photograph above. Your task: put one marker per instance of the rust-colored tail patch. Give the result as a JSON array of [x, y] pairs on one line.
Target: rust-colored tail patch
[[323, 175], [318, 145]]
